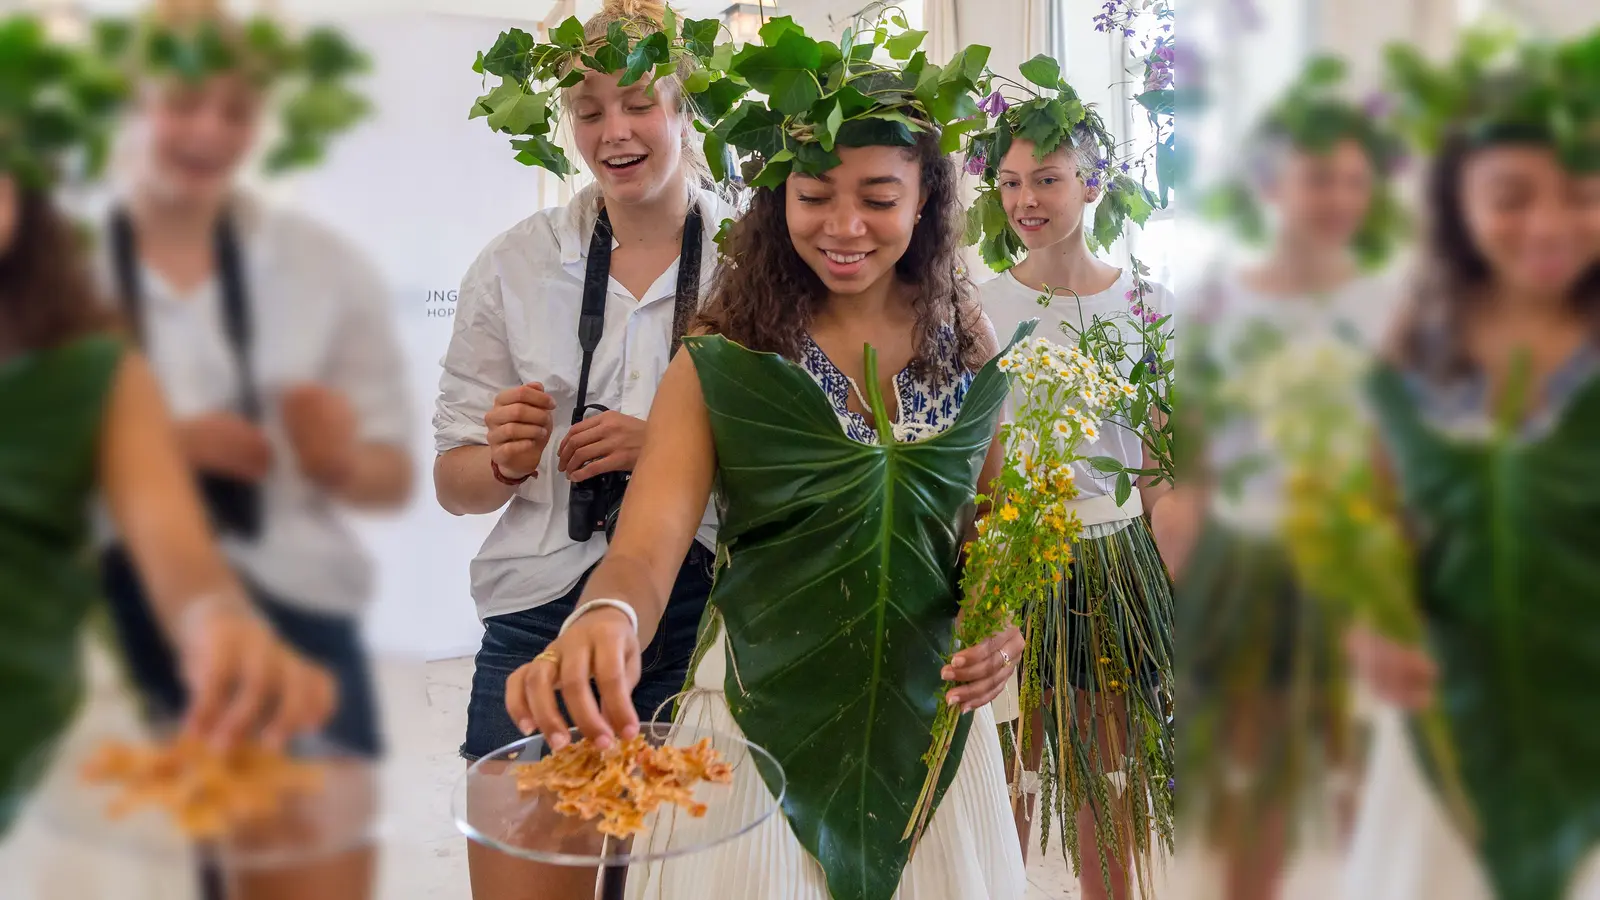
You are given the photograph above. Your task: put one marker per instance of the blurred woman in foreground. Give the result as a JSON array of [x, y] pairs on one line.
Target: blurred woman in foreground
[[1489, 406]]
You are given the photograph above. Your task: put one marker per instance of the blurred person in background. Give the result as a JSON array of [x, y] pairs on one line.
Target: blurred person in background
[[1488, 404], [1266, 718], [81, 416], [273, 342], [643, 237], [1115, 563]]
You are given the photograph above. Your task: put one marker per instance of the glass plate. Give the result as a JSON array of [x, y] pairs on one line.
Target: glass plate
[[339, 817], [491, 810]]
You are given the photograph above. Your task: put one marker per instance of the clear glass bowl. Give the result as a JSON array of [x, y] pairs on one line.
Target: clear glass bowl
[[340, 816], [490, 809]]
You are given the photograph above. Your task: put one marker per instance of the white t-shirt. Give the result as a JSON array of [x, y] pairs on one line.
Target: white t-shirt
[[1360, 312], [1009, 303], [319, 313]]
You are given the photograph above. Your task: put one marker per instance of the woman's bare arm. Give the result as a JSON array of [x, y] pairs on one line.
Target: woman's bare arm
[[236, 668], [665, 503]]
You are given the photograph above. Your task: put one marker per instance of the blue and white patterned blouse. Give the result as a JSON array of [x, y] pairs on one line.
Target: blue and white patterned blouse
[[926, 408]]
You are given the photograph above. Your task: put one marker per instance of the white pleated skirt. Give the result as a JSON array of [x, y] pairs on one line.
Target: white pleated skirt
[[1405, 847], [969, 852]]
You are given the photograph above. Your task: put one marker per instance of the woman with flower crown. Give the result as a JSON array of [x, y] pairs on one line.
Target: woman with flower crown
[[1101, 654], [845, 482], [1487, 404], [81, 416], [1266, 720]]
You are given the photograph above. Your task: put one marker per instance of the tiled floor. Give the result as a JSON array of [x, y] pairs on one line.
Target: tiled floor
[[424, 857]]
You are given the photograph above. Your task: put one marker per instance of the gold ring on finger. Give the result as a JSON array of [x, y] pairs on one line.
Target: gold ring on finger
[[549, 656]]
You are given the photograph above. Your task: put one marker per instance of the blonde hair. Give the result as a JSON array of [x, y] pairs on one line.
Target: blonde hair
[[646, 16]]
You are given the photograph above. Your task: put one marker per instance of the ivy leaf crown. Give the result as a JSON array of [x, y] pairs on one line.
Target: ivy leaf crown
[[1048, 112], [788, 103], [58, 105], [1314, 116], [310, 73], [527, 105], [1499, 87], [785, 103]]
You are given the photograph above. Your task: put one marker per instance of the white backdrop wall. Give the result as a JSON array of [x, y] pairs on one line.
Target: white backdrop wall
[[422, 190]]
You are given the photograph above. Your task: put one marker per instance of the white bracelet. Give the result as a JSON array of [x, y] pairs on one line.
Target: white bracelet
[[592, 605]]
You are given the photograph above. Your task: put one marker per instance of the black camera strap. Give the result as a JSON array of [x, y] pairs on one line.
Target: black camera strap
[[235, 298], [596, 287]]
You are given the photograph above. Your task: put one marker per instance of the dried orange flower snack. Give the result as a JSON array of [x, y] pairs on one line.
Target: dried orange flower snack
[[623, 785], [207, 792]]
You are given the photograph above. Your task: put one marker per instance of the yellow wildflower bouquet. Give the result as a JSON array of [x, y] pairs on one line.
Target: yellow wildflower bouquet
[[1022, 551], [1345, 543]]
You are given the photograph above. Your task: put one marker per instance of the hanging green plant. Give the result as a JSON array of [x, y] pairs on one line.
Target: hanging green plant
[[308, 75]]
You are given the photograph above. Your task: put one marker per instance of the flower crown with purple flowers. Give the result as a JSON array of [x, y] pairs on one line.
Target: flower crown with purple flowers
[[1048, 113], [1312, 117]]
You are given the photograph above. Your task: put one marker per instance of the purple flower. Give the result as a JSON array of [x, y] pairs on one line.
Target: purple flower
[[994, 104], [1103, 164], [976, 165], [1126, 167], [1129, 32], [1172, 784], [1152, 363], [1164, 52], [1130, 295], [1092, 182], [1378, 105], [1151, 317], [1158, 79]]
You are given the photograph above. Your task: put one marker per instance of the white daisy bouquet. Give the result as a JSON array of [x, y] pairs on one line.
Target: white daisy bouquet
[[1022, 551]]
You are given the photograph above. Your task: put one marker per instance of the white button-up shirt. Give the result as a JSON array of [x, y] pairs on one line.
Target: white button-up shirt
[[516, 323], [319, 314]]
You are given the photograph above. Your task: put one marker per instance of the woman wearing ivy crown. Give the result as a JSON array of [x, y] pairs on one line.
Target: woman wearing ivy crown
[[271, 337], [1266, 718], [81, 416], [1101, 653], [845, 480], [508, 440], [1488, 406]]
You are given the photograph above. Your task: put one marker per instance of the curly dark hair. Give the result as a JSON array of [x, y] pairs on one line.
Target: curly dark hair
[[1454, 274], [767, 298], [46, 294]]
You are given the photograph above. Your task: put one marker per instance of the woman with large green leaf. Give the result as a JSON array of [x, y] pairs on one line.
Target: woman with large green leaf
[[1489, 406], [846, 496], [1096, 687], [80, 416]]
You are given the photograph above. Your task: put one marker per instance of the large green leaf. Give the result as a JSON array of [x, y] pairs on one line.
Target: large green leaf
[[47, 585], [1511, 592], [839, 596]]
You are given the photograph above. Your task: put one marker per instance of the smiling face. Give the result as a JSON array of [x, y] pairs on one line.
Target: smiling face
[[632, 138], [195, 137], [1044, 199], [1323, 198], [852, 224], [1535, 224]]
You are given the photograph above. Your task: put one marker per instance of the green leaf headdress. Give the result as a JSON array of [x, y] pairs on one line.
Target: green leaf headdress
[[309, 74], [1312, 116], [57, 105], [814, 96], [527, 104], [1047, 112], [1500, 89], [820, 96]]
